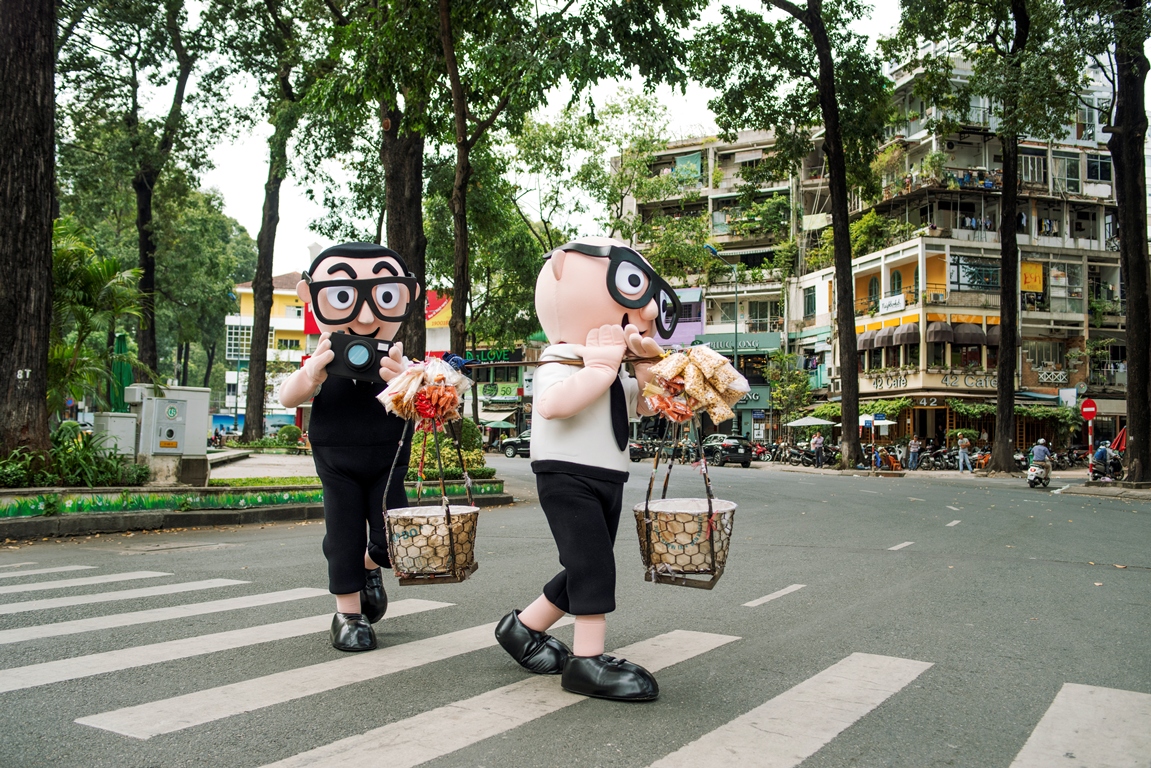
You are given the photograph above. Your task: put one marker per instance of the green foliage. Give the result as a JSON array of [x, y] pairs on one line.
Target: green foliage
[[472, 457], [789, 384], [828, 411], [472, 438], [76, 458], [249, 482], [451, 473], [891, 408], [289, 435], [869, 233], [769, 218]]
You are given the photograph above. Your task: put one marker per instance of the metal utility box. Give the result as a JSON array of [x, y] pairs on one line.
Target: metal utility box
[[120, 429], [170, 419], [172, 433]]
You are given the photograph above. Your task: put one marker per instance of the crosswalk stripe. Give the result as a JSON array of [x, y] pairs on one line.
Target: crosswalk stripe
[[33, 675], [37, 571], [175, 714], [447, 729], [774, 595], [84, 582], [157, 614], [1099, 727], [793, 726], [108, 597]]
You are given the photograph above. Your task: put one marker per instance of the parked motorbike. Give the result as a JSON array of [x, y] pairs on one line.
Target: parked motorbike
[[760, 452], [1112, 468]]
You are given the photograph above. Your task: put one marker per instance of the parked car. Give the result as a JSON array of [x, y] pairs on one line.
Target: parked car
[[720, 449], [517, 446]]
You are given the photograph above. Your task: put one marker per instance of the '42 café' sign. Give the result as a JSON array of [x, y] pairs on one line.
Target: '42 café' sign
[[896, 380]]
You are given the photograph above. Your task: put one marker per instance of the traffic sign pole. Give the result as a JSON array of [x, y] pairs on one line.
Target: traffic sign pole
[[1088, 410]]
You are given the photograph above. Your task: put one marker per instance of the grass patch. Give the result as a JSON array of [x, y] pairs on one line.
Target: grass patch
[[250, 482]]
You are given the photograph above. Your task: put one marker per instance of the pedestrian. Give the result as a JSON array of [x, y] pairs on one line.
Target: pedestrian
[[817, 446], [983, 437], [964, 446], [913, 449]]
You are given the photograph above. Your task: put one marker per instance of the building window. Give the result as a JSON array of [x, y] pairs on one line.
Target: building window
[[239, 342], [992, 358], [1033, 167], [896, 283], [689, 312], [1066, 169], [968, 273], [912, 354], [1085, 123], [727, 311], [1044, 354], [809, 302], [875, 359], [917, 281], [873, 289], [935, 354], [965, 355], [500, 374], [288, 344], [1099, 168], [760, 315], [293, 311]]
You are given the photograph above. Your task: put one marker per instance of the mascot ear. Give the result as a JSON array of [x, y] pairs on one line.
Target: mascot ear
[[303, 293], [557, 262]]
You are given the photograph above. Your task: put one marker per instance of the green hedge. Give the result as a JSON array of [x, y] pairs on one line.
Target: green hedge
[[76, 458], [451, 473]]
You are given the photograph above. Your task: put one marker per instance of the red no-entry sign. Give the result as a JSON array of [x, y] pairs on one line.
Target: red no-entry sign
[[1088, 409]]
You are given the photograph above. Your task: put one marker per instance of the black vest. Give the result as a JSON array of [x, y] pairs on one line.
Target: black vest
[[347, 412]]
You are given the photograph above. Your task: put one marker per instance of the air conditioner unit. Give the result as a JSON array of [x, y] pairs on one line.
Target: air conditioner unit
[[936, 298]]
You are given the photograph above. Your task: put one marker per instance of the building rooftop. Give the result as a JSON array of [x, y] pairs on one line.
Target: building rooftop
[[285, 282]]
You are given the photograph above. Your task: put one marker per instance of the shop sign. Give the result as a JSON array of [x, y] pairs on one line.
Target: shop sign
[[969, 381], [495, 355], [892, 303], [748, 342], [1030, 277], [757, 397], [899, 380], [500, 392]]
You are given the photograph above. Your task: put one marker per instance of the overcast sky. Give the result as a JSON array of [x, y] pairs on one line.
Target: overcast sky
[[241, 166]]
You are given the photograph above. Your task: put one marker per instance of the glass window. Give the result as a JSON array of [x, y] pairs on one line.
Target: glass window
[[480, 374], [727, 311], [896, 282], [873, 288], [992, 358], [500, 373], [809, 302], [876, 358], [1044, 354], [912, 354], [689, 312], [969, 273], [1066, 168], [1065, 284], [287, 344], [1099, 168], [759, 315], [935, 354], [963, 356]]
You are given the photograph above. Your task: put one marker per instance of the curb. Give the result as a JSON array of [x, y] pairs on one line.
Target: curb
[[118, 522], [1124, 494]]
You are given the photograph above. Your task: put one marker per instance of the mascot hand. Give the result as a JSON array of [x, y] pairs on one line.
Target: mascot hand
[[316, 366], [641, 346], [394, 363], [605, 348]]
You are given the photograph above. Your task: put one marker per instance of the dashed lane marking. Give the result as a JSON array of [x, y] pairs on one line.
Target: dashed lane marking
[[774, 595], [954, 523], [900, 546]]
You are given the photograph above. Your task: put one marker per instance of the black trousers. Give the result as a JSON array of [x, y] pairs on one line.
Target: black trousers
[[354, 478], [583, 513]]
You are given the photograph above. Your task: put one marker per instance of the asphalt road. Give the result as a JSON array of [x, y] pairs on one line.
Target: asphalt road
[[1013, 623]]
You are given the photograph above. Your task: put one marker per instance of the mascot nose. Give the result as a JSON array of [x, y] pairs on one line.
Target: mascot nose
[[366, 317], [650, 311]]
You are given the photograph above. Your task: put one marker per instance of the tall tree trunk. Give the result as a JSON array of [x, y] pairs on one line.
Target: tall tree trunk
[[27, 181], [186, 351], [1128, 134], [1003, 442], [144, 185], [262, 282], [402, 157], [210, 351], [841, 241], [461, 277]]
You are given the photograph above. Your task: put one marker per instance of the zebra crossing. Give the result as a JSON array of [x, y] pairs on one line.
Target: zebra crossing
[[1096, 727]]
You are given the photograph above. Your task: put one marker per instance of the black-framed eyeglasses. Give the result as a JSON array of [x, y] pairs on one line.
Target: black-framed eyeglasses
[[340, 300], [632, 283]]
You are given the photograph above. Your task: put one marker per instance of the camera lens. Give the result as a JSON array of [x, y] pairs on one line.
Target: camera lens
[[358, 355]]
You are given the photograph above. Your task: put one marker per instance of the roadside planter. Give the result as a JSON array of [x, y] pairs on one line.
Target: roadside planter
[[33, 502]]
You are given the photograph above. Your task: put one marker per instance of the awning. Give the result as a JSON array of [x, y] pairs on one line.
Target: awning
[[865, 341], [822, 346], [908, 333], [968, 334], [939, 331], [884, 337], [689, 295], [993, 336]]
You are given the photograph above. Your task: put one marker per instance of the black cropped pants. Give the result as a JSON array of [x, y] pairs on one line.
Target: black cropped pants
[[354, 478], [583, 513]]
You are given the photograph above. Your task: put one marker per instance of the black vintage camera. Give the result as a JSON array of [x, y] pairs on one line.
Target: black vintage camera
[[357, 357]]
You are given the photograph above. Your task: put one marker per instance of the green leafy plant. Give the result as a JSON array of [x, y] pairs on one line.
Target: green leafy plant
[[289, 435]]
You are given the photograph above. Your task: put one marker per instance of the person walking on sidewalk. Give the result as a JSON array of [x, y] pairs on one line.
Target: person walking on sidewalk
[[913, 448], [964, 458], [817, 446]]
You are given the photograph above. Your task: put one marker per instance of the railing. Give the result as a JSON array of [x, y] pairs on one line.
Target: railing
[[765, 326], [1109, 375], [866, 305], [1053, 377], [817, 377], [984, 299], [935, 293]]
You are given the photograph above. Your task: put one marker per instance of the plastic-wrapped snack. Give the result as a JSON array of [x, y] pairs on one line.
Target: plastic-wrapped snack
[[722, 377], [708, 360], [673, 409], [696, 385], [720, 412], [671, 366], [735, 391], [400, 394]]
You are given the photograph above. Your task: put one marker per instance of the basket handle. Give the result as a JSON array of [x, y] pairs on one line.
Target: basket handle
[[445, 505], [703, 464], [388, 485]]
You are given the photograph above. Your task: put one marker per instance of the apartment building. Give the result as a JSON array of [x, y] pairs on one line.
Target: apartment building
[[927, 303]]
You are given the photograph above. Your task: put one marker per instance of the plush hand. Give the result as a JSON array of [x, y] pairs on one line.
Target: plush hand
[[605, 348], [641, 346], [316, 366], [394, 363]]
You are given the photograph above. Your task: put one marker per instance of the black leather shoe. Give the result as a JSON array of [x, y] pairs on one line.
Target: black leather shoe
[[606, 677], [535, 651], [373, 598], [352, 632]]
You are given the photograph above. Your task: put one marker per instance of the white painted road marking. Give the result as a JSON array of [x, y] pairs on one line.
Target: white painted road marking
[[406, 743], [954, 523], [156, 614], [875, 492], [175, 714], [953, 509], [793, 726], [1091, 727], [84, 582], [107, 597], [33, 675], [16, 565], [900, 546], [773, 595], [37, 571]]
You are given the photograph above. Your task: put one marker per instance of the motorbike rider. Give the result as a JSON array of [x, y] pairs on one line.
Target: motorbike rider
[[1102, 458], [1041, 455]]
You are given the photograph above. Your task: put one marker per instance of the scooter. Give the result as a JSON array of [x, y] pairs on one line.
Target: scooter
[[1037, 475], [1112, 469]]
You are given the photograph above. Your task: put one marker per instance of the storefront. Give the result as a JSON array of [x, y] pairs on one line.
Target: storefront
[[753, 351]]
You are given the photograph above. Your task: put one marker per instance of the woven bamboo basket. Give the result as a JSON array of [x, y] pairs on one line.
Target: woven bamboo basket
[[432, 544], [681, 539]]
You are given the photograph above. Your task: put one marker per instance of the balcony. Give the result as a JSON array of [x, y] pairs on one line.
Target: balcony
[[765, 325], [817, 378], [874, 305], [1109, 376], [1053, 377], [941, 295]]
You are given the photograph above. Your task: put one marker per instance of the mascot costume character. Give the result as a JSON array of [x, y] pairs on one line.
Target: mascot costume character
[[360, 293], [597, 300]]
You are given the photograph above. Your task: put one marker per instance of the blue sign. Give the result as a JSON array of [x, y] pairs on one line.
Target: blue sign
[[867, 422], [880, 416], [758, 414]]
